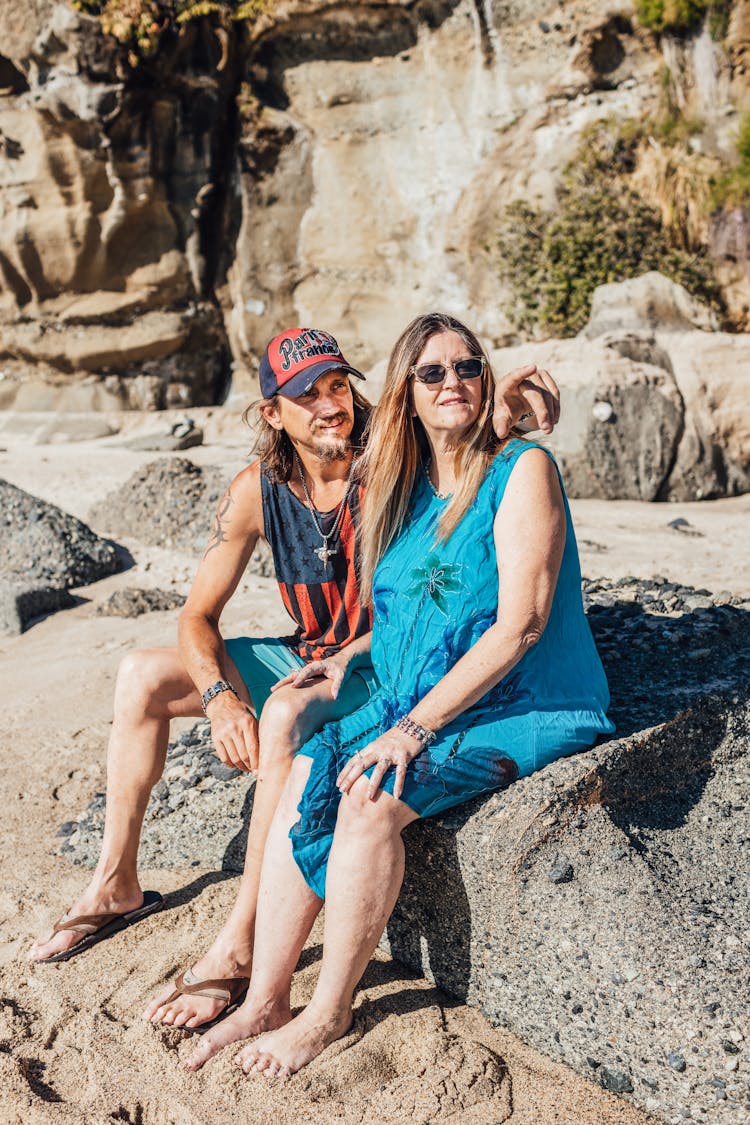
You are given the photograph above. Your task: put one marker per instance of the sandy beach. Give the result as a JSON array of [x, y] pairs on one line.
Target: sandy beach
[[74, 1047]]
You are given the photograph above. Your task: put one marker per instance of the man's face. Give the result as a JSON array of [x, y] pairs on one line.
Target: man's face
[[321, 420]]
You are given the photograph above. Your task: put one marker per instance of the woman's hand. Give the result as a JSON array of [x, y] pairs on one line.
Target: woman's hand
[[334, 668], [394, 748]]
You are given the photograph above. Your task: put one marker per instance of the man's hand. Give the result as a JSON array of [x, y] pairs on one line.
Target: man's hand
[[333, 668], [234, 731], [526, 390]]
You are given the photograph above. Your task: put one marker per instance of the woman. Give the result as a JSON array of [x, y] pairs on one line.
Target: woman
[[488, 671]]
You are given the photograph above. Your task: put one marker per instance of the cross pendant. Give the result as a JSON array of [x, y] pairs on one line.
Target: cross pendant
[[324, 553]]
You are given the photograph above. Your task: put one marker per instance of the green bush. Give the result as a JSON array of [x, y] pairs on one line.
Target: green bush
[[601, 232], [140, 24], [682, 16]]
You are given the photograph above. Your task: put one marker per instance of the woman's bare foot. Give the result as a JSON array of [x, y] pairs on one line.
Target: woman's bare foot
[[228, 958], [287, 1050], [94, 900], [250, 1019]]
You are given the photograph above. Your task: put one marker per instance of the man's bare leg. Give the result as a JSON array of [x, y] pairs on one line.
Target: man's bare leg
[[365, 872], [289, 718], [152, 688], [287, 909]]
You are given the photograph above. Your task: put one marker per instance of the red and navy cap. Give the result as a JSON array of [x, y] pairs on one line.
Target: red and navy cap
[[296, 358]]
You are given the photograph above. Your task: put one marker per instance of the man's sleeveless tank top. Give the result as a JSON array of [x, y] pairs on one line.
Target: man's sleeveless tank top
[[321, 597]]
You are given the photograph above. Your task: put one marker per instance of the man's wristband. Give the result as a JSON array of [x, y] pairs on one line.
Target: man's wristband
[[214, 690]]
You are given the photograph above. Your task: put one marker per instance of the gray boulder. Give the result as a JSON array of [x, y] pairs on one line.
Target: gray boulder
[[599, 908], [45, 552], [648, 417]]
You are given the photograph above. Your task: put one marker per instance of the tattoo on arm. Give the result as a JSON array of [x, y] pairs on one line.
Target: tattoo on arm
[[218, 531]]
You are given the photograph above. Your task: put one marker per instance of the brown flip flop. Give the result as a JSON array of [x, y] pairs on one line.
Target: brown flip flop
[[98, 927], [231, 990]]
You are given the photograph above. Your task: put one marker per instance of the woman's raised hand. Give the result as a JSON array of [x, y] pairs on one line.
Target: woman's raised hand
[[395, 748]]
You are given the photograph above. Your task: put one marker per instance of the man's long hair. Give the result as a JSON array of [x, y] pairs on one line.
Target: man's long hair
[[274, 448], [397, 445]]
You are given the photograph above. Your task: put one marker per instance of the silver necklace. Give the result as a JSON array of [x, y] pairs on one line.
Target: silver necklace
[[324, 552], [439, 495]]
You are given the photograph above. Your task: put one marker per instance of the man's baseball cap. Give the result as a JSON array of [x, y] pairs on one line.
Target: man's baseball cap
[[296, 358]]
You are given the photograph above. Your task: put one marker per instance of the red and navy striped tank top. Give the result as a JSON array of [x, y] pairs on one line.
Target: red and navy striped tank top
[[321, 597]]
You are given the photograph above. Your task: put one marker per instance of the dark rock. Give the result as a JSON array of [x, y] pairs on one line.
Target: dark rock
[[222, 772], [615, 1080], [21, 603], [676, 1061], [132, 602], [45, 552], [561, 870]]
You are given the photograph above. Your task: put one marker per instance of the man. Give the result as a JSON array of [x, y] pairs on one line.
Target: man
[[302, 497]]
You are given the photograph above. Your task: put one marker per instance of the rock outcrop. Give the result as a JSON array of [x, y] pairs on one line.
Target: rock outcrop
[[344, 164], [648, 414], [45, 553], [597, 908]]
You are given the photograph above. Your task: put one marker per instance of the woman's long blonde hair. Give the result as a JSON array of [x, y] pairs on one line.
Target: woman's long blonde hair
[[397, 444]]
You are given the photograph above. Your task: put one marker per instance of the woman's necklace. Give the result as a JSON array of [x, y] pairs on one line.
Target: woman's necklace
[[440, 495], [324, 552]]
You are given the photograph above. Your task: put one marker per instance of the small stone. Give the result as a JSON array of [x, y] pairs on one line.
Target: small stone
[[730, 1047], [615, 1080], [731, 1065], [676, 1061], [561, 870], [222, 772], [67, 828]]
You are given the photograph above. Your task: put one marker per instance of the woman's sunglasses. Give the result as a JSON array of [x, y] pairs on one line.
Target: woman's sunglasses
[[431, 373]]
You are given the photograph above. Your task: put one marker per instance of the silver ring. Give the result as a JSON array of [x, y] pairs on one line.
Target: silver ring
[[358, 754]]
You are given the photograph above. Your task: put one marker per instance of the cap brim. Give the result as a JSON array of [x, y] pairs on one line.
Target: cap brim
[[301, 383]]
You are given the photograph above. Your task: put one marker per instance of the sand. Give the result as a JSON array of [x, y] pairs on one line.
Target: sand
[[73, 1046]]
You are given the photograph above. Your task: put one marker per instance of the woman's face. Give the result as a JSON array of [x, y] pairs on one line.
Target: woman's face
[[451, 406]]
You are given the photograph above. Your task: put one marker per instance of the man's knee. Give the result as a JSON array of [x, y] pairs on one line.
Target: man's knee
[[143, 678], [283, 727]]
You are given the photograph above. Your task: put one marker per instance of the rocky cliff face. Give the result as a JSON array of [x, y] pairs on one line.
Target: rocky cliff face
[[343, 165]]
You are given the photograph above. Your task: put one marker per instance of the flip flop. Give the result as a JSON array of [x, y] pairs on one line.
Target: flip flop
[[231, 990], [98, 927]]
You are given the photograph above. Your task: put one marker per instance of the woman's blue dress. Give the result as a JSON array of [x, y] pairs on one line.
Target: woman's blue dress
[[431, 603]]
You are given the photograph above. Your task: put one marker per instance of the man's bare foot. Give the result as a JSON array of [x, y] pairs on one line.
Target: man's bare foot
[[226, 959], [94, 900], [287, 1050], [250, 1019]]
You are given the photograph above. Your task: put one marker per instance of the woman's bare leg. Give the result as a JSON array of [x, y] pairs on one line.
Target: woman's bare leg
[[365, 872]]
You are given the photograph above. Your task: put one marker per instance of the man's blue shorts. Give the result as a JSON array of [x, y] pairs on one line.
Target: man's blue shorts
[[263, 661]]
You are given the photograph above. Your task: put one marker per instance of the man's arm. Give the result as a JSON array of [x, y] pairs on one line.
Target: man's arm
[[238, 524], [524, 391]]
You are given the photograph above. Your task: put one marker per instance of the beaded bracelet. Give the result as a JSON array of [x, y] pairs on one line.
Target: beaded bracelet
[[416, 730]]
